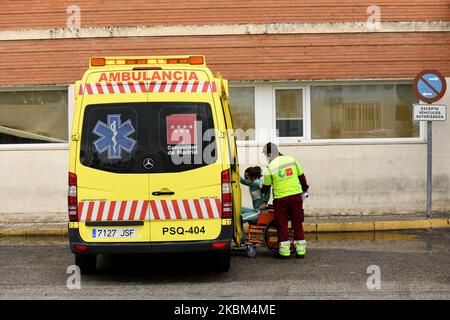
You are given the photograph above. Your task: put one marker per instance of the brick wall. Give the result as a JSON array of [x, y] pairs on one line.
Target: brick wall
[[243, 57], [30, 14]]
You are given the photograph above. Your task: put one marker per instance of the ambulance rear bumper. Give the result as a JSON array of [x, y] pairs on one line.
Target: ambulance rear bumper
[[152, 247]]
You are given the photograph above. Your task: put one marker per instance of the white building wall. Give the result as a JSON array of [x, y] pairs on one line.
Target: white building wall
[[33, 181]]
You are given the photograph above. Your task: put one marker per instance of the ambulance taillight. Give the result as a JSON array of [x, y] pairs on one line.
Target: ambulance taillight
[[72, 198], [219, 245], [80, 248], [227, 202]]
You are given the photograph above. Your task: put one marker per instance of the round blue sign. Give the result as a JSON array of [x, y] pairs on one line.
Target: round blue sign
[[429, 86]]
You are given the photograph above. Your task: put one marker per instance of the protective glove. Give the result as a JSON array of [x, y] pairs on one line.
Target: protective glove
[[304, 195]]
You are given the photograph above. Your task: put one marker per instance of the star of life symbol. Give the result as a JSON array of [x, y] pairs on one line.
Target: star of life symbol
[[114, 136]]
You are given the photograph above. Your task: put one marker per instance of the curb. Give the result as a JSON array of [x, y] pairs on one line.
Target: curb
[[377, 225], [33, 232], [319, 227]]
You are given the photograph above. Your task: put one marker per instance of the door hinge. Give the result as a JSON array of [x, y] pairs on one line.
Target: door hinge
[[75, 137]]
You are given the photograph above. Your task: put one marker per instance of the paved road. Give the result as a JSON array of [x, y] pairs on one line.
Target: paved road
[[412, 265]]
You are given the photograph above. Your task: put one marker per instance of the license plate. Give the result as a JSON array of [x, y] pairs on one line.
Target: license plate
[[117, 233]]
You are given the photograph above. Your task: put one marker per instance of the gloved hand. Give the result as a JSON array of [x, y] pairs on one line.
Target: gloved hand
[[304, 195]]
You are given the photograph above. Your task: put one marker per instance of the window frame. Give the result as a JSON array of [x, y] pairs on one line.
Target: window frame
[[420, 139], [51, 145], [265, 105], [274, 115], [254, 87]]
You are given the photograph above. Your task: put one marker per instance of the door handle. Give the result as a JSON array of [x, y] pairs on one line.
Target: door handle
[[163, 193]]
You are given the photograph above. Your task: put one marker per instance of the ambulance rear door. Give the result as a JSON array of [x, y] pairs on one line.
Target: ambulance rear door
[[112, 184], [234, 165], [184, 168]]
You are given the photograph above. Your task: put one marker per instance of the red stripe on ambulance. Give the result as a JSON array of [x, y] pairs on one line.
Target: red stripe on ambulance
[[187, 209], [162, 87], [101, 209], [90, 209], [120, 85], [112, 207], [89, 88], [143, 215], [80, 210], [184, 86], [133, 210], [131, 86], [194, 87], [176, 209], [110, 88], [147, 87], [209, 209], [154, 215], [219, 207], [100, 88], [122, 210], [165, 210], [139, 210]]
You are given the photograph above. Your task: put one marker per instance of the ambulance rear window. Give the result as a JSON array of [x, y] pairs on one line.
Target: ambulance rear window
[[152, 137]]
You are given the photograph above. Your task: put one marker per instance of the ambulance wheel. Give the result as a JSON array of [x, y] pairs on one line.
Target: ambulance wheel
[[221, 262], [251, 250], [86, 262]]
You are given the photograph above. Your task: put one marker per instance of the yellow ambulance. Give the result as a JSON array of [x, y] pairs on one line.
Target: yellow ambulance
[[153, 161]]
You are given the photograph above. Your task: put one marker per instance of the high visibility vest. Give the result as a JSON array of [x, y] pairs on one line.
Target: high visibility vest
[[282, 173]]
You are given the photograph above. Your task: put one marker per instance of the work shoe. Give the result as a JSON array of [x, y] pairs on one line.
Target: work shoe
[[300, 248], [284, 249]]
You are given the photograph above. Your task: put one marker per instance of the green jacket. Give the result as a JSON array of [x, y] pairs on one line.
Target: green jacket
[[283, 174], [255, 191]]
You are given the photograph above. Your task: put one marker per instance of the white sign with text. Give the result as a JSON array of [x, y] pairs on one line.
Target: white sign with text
[[430, 112]]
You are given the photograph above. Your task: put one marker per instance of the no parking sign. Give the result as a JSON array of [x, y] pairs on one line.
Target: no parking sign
[[429, 86]]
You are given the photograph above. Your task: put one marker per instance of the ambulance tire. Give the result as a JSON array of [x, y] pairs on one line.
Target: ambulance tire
[[87, 263], [221, 262]]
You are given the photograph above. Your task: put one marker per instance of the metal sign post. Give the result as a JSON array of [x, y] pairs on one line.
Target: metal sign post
[[429, 167], [429, 113], [429, 86]]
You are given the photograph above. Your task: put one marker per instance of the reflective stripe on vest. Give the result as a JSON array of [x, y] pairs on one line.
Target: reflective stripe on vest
[[284, 172], [285, 165]]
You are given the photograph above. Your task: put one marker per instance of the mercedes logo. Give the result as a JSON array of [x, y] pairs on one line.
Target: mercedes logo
[[148, 163]]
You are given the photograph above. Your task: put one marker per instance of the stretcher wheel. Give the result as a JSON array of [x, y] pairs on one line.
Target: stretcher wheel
[[271, 237], [251, 250]]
